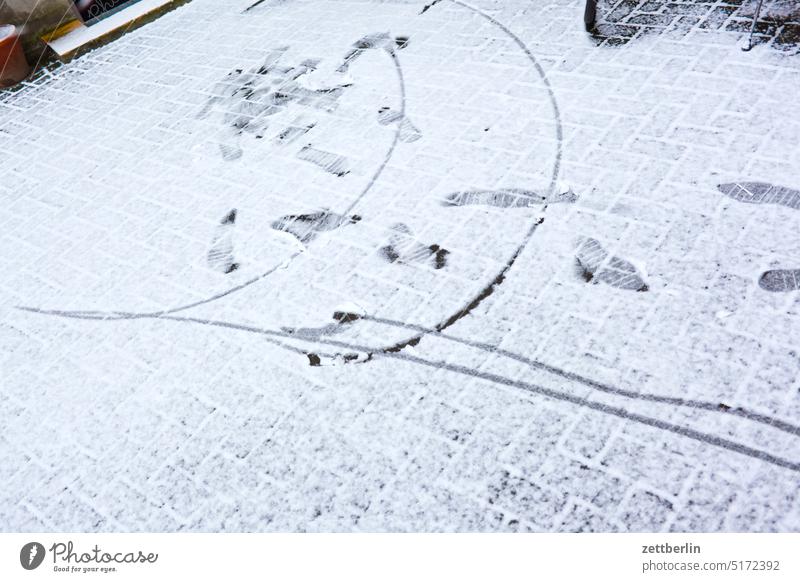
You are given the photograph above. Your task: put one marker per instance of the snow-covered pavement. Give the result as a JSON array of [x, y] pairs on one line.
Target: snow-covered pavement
[[396, 265]]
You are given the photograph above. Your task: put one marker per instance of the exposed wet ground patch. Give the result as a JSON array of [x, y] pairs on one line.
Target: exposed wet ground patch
[[620, 21]]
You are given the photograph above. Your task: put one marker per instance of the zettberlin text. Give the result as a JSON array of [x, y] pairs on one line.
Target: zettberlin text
[[671, 549]]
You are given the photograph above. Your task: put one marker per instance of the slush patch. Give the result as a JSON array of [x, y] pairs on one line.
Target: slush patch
[[598, 266]]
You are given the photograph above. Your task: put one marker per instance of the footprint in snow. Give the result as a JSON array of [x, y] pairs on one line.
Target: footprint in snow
[[775, 280], [408, 131], [378, 40], [332, 163], [597, 265], [246, 100], [780, 280], [403, 247], [306, 227], [292, 133], [507, 198], [761, 193], [220, 255]]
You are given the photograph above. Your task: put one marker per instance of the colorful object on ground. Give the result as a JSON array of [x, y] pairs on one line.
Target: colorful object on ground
[[14, 66]]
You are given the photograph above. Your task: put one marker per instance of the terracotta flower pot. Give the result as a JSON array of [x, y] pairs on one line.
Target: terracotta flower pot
[[14, 66]]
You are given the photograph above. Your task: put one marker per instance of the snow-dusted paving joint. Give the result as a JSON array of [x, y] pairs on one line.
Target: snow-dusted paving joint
[[388, 332]]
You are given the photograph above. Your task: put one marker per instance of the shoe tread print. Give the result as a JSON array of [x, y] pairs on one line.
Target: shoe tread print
[[403, 247], [598, 266], [220, 254], [506, 198], [306, 227], [780, 280], [761, 193], [774, 280]]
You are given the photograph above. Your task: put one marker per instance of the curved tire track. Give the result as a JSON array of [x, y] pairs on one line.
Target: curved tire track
[[275, 337]]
